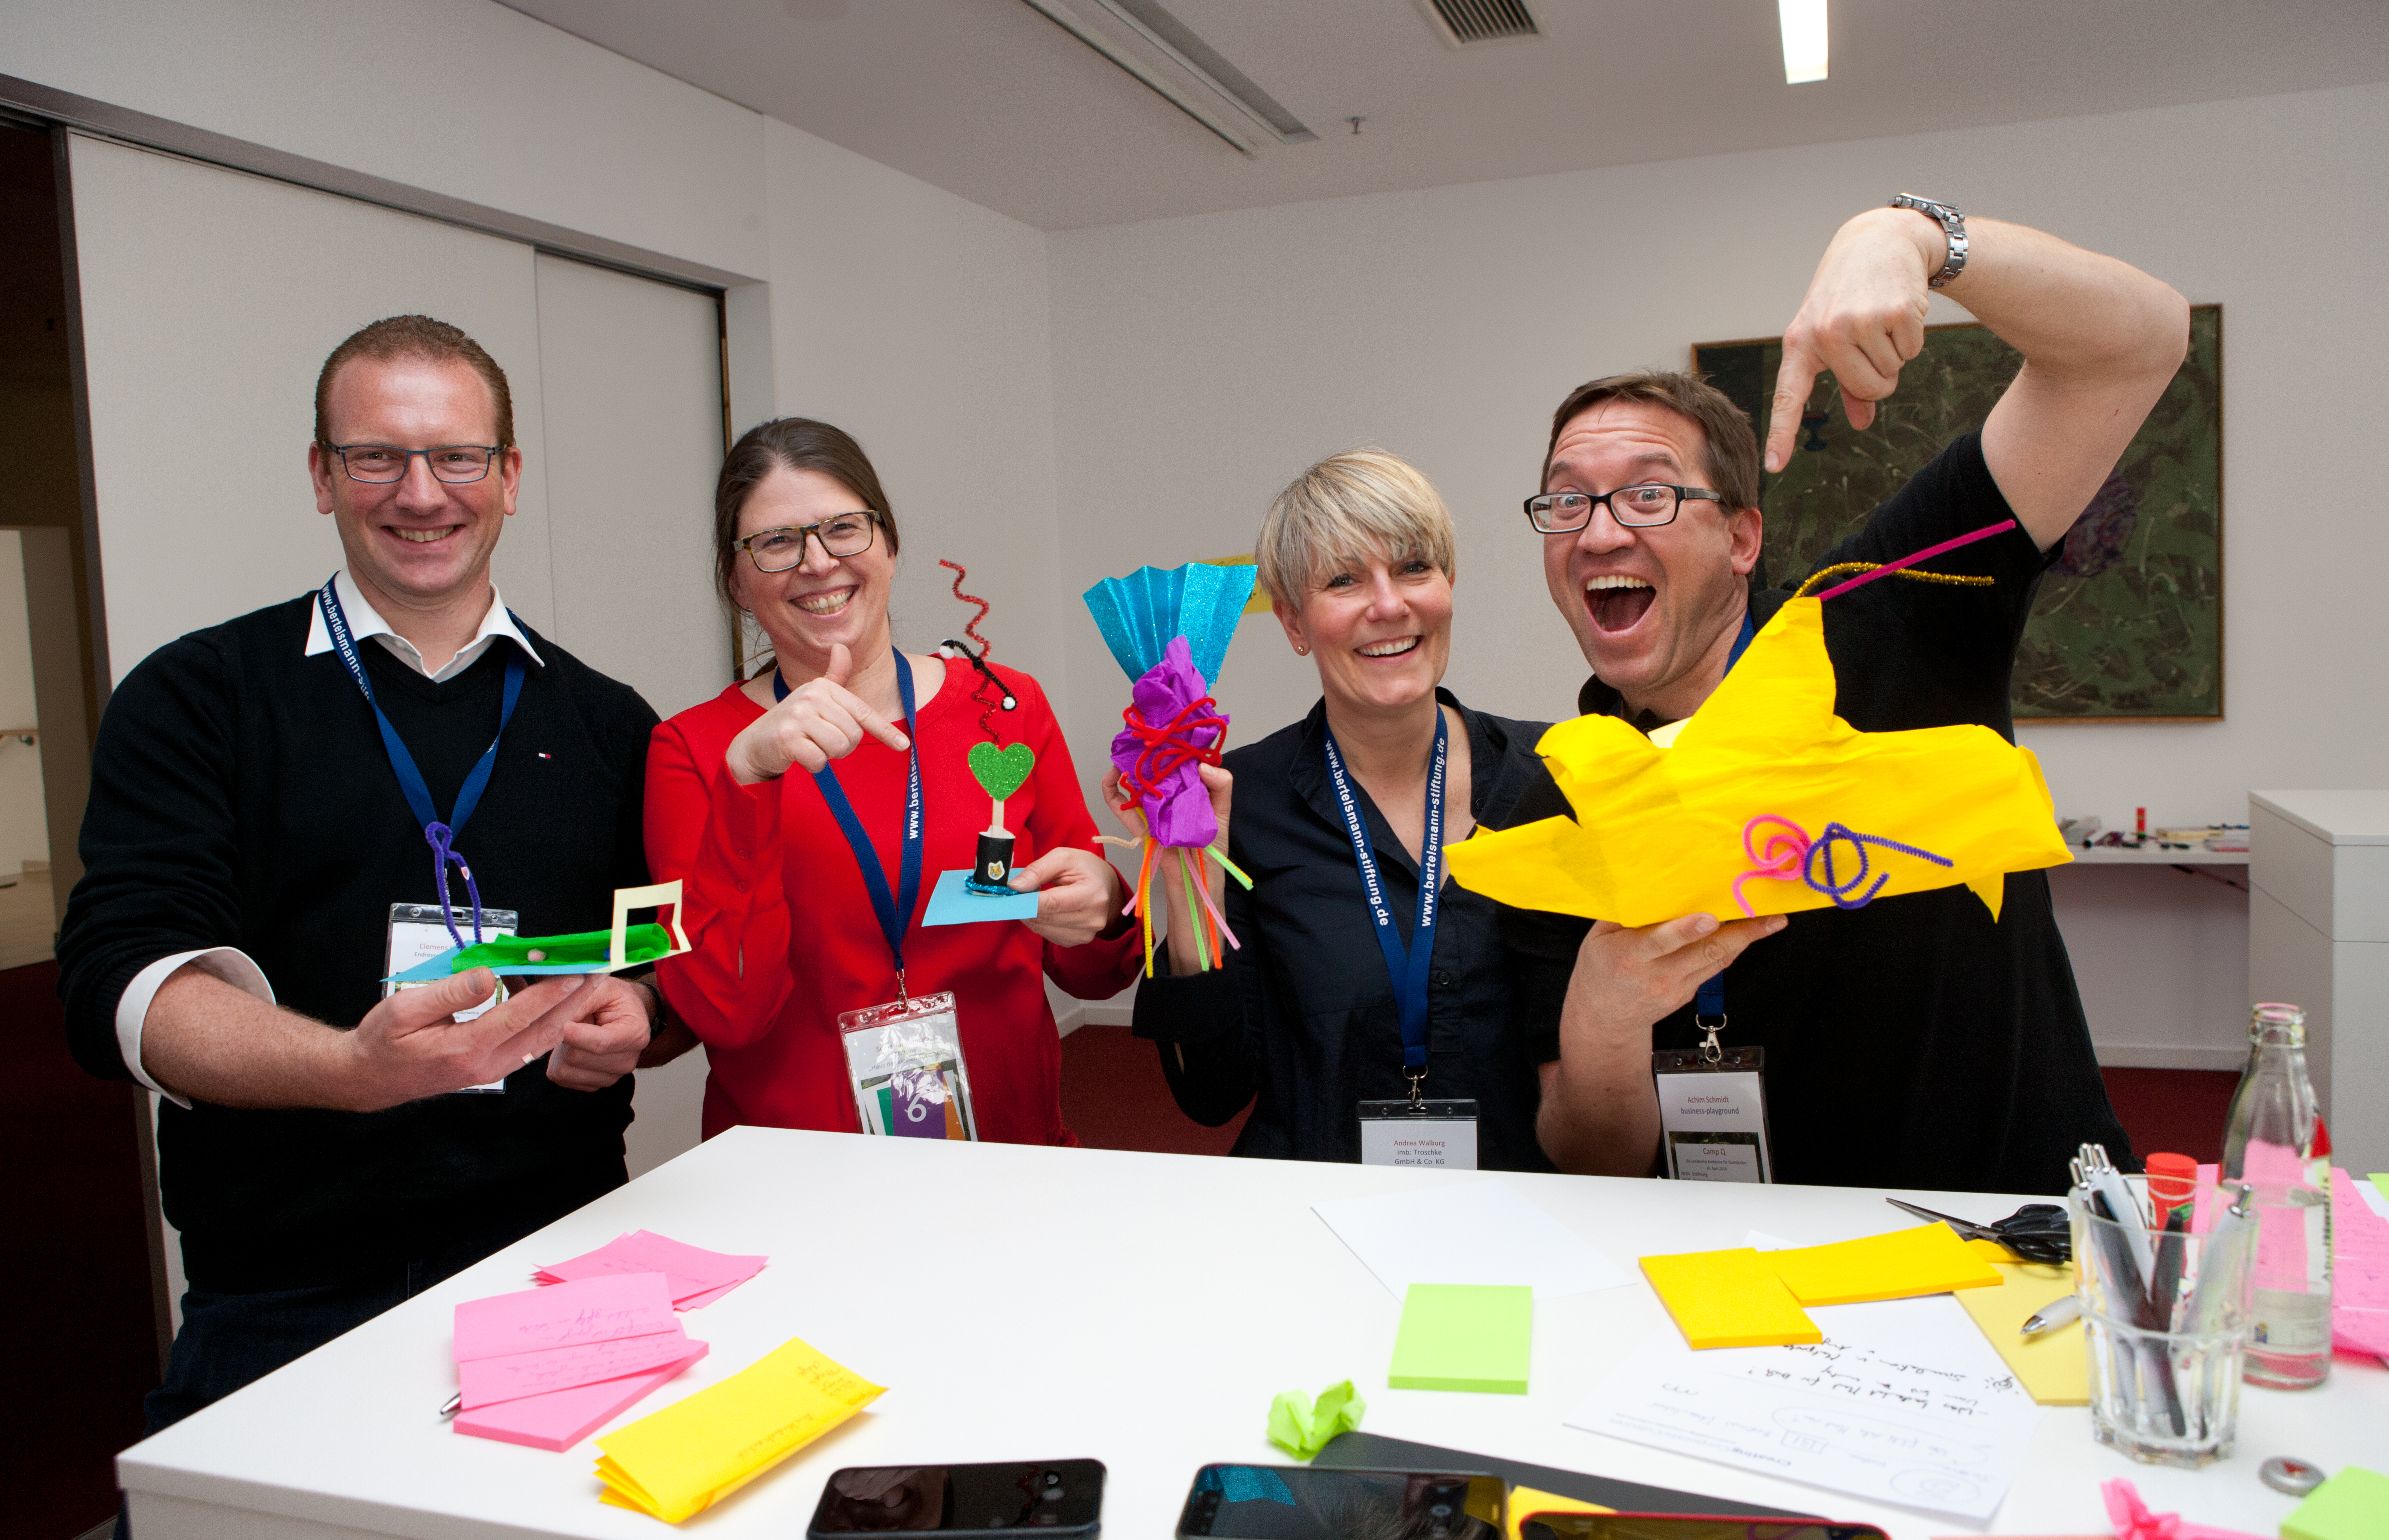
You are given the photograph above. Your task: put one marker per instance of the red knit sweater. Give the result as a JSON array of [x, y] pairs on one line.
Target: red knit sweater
[[785, 934]]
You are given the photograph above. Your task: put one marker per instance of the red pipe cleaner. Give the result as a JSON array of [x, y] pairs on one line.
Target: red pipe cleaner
[[986, 647], [987, 679], [1170, 746]]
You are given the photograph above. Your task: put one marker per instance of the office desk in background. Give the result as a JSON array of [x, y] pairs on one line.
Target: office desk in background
[[1034, 1303]]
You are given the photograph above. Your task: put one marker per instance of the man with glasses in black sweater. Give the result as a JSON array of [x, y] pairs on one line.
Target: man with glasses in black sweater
[[280, 811]]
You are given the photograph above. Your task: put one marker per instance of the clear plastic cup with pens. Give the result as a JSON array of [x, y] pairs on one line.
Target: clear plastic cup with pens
[[2166, 1288]]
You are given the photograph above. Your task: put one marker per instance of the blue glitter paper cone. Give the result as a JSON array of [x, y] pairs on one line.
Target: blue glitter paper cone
[[1139, 615]]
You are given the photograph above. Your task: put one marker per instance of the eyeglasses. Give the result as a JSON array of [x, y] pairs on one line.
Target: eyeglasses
[[1643, 506], [386, 462], [778, 550]]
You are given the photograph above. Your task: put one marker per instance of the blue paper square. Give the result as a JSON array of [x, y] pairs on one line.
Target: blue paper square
[[951, 904]]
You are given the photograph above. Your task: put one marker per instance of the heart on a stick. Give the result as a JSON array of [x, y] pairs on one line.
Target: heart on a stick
[[1002, 771]]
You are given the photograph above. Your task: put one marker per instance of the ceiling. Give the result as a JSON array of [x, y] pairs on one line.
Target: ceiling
[[991, 100]]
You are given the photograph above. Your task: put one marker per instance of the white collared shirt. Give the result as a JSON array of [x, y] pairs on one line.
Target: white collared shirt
[[230, 963]]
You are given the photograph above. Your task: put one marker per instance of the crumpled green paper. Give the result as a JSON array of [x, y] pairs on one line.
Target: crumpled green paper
[[1302, 1429]]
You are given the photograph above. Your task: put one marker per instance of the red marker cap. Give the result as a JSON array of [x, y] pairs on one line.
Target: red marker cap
[[2172, 1179]]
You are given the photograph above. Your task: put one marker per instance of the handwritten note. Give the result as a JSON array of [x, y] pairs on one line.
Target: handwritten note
[[561, 1418], [484, 1381], [696, 1276], [593, 1310], [1903, 1402], [2359, 1270]]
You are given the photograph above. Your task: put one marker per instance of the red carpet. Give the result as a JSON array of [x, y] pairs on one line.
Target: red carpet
[[1113, 1098], [2180, 1111], [88, 1349]]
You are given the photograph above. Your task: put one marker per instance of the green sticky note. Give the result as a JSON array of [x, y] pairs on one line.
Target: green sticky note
[[1463, 1337], [2381, 1180], [2353, 1504]]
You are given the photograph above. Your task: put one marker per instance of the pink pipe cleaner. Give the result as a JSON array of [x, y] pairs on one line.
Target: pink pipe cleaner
[[1787, 854]]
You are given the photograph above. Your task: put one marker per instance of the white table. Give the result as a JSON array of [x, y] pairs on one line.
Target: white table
[[1031, 1304]]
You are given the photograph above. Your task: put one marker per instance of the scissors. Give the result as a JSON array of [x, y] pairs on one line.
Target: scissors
[[2037, 1232]]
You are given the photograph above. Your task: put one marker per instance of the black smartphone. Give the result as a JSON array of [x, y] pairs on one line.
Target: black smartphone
[[1684, 1526], [1049, 1497], [1296, 1502]]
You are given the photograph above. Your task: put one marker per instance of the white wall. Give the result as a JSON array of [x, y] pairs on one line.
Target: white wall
[[24, 834], [1200, 363]]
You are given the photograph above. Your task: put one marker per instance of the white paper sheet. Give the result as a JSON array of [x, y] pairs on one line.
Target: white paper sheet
[[1903, 1402], [1437, 1235]]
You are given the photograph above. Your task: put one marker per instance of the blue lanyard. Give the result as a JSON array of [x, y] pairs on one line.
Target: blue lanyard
[[440, 837], [1710, 998], [1408, 970], [895, 910]]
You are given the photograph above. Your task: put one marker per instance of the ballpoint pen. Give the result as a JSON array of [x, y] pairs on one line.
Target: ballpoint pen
[[2055, 1313]]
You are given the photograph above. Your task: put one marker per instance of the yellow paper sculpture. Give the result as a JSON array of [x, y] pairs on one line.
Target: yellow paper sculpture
[[1766, 803]]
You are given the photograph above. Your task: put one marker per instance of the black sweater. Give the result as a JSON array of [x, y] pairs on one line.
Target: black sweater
[[240, 796]]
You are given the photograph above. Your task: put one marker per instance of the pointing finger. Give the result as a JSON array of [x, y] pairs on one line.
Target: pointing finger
[[1793, 382]]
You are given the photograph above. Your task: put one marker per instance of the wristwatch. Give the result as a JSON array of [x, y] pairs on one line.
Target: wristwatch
[[1953, 224]]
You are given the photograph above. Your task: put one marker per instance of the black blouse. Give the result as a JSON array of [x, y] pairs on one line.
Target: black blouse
[[1303, 1016]]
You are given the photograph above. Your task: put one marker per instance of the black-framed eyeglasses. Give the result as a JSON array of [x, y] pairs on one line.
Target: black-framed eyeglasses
[[1643, 506], [386, 462], [843, 535]]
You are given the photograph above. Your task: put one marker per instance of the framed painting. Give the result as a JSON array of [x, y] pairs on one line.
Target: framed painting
[[2128, 626]]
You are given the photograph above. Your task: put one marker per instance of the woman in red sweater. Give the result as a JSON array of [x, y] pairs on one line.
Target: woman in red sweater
[[787, 931]]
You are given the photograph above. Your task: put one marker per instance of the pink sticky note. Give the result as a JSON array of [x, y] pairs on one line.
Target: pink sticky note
[[698, 1301], [562, 1418], [2360, 1249], [693, 1271], [488, 1381], [591, 1310], [2360, 1330]]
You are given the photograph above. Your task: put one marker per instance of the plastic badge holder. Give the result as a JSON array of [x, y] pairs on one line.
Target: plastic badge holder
[[904, 1061]]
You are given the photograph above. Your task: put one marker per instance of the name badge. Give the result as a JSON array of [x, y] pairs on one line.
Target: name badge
[[417, 933], [1713, 1117], [1441, 1134]]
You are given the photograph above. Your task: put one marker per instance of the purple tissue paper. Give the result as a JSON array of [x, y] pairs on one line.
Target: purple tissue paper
[[1178, 811]]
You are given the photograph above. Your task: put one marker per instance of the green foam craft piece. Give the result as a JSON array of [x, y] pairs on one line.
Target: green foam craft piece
[[1002, 771], [1302, 1429], [2353, 1504], [505, 953]]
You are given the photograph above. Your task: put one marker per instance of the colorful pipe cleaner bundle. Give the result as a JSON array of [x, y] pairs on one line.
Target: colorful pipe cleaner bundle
[[1764, 801], [1169, 632]]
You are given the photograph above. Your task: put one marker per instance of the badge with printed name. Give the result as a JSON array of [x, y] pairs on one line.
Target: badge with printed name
[[1712, 1114], [418, 932], [1441, 1134]]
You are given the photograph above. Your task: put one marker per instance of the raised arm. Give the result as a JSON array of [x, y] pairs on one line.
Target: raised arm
[[2101, 341]]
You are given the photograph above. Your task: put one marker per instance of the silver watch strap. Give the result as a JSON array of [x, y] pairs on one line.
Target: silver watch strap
[[1954, 226]]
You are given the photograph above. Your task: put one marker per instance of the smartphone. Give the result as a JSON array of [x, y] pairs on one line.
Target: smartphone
[[1296, 1502], [1049, 1497], [1684, 1526]]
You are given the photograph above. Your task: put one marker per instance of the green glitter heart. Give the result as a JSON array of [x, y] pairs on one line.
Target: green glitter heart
[[1002, 771]]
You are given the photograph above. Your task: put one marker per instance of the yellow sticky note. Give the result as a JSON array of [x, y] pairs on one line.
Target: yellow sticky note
[[1729, 1298], [1929, 1258], [1525, 1502], [2051, 1365], [681, 1460]]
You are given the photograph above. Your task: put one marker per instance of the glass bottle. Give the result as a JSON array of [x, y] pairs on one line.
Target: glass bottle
[[2275, 1142]]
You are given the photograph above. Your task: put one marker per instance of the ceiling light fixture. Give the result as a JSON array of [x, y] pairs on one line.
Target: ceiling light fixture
[[1198, 59], [1803, 40], [1185, 101]]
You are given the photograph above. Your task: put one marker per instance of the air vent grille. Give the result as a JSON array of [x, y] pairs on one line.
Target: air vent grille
[[1486, 21]]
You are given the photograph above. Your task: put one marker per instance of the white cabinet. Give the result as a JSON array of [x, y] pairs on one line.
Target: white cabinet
[[2319, 937]]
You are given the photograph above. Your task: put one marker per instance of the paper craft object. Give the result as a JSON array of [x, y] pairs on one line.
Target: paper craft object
[[546, 1367], [2134, 1521], [1169, 632], [1404, 1237], [1464, 1337], [626, 945], [680, 1461], [1302, 1429], [1766, 803], [953, 903], [696, 1276], [2052, 1363]]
